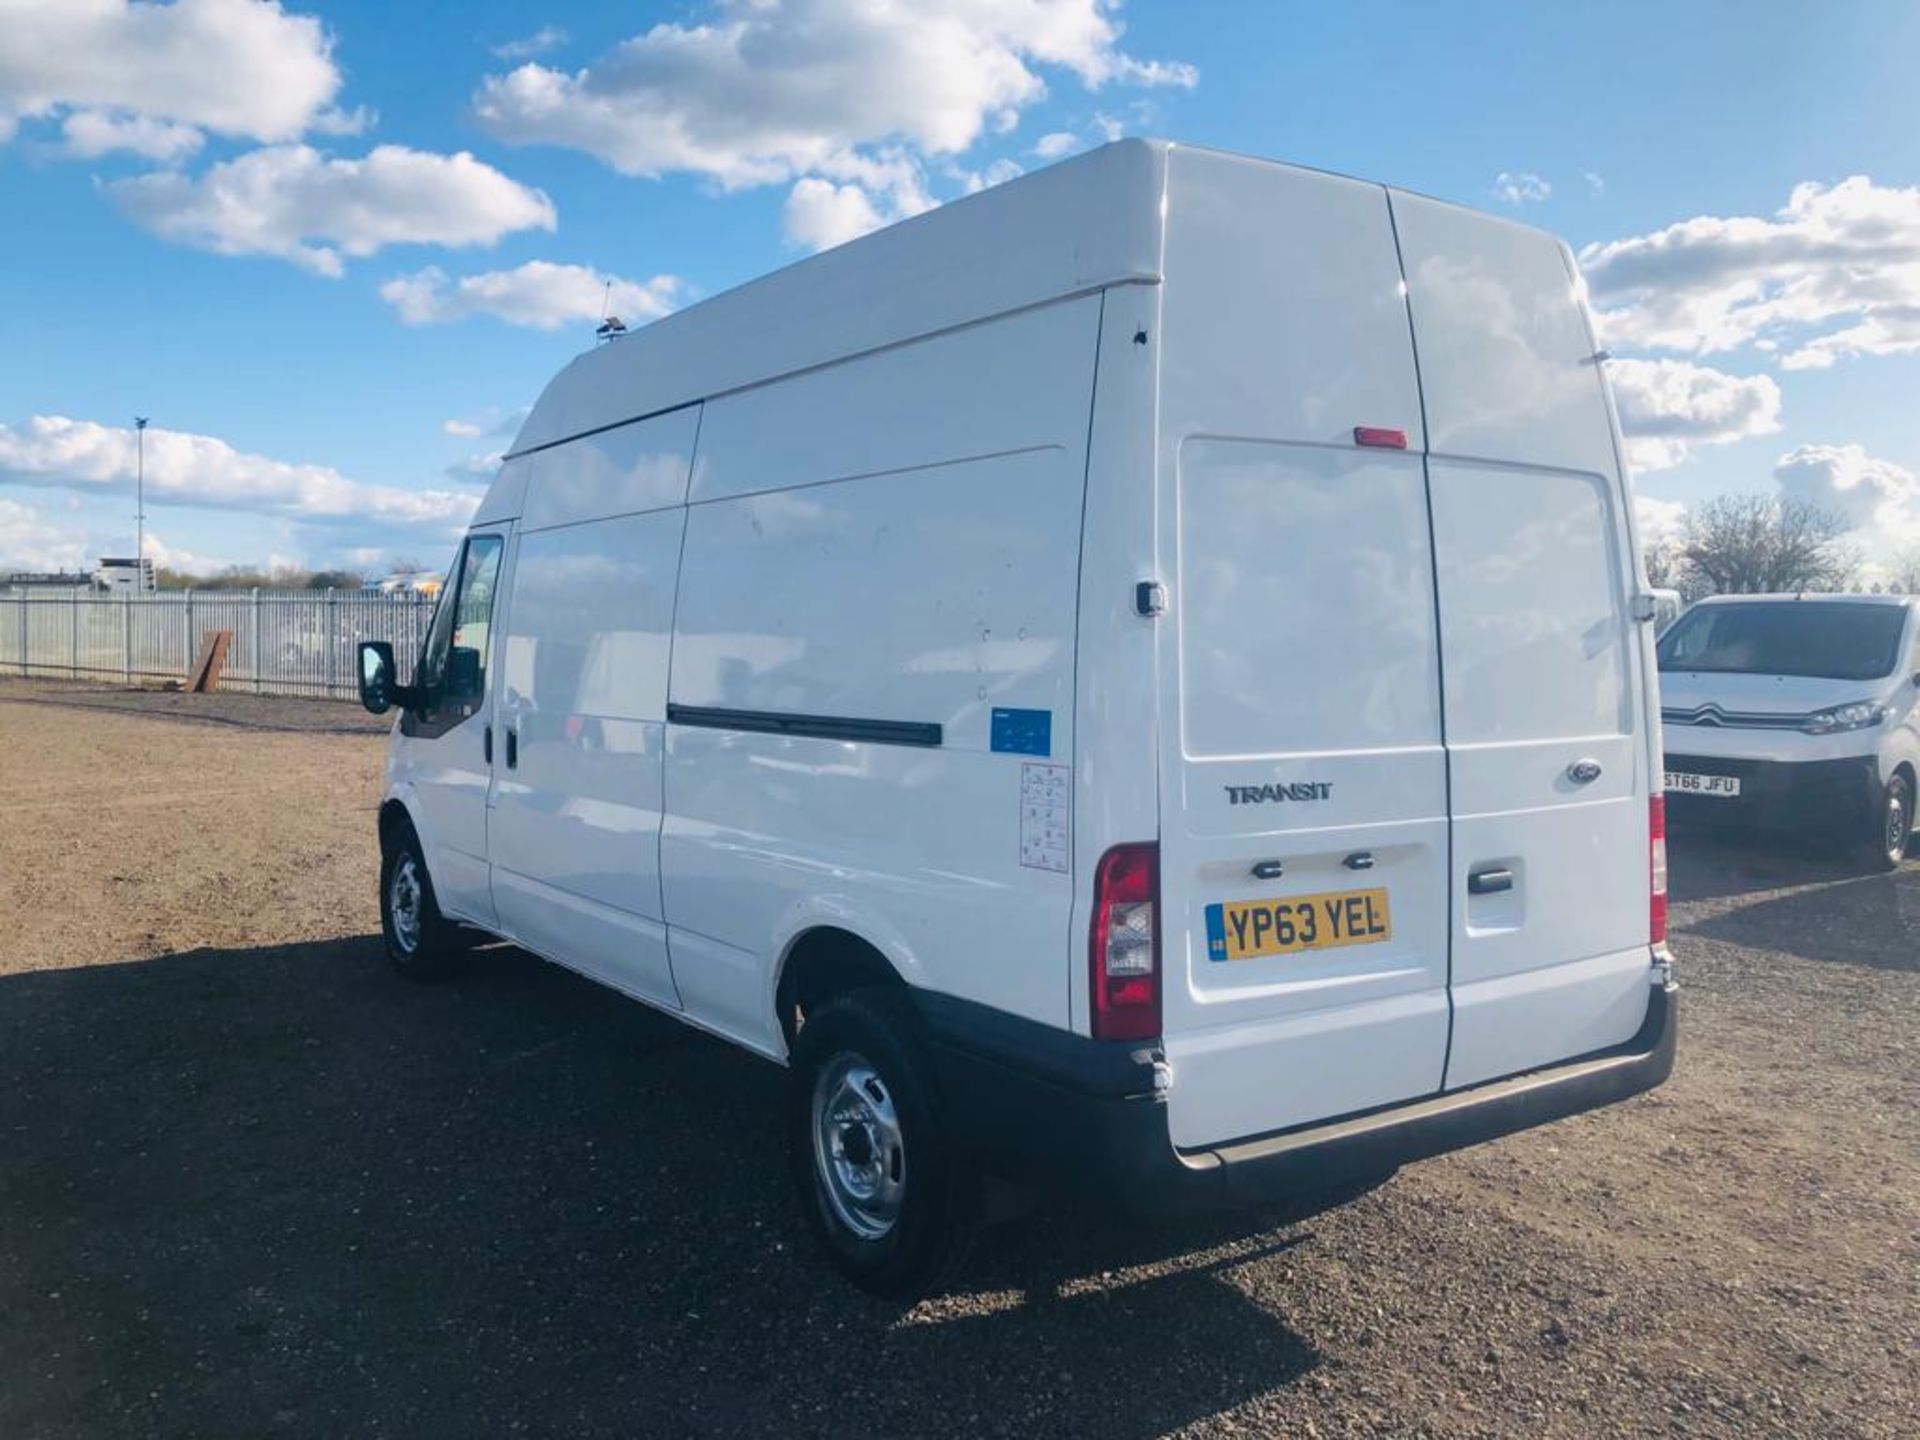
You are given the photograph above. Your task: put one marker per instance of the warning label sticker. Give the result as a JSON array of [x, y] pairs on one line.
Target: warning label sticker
[[1046, 816]]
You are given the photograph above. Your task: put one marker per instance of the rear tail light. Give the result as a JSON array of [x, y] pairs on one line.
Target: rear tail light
[[1657, 844], [1124, 944]]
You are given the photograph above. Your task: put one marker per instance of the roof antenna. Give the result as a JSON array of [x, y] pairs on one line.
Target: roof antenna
[[610, 325]]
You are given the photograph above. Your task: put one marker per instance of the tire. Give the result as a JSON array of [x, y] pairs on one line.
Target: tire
[[1892, 827], [422, 944], [885, 1189]]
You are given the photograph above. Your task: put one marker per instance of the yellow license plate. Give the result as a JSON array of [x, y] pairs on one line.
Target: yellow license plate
[[1246, 929]]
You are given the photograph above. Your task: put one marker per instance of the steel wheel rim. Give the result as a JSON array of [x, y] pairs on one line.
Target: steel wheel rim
[[1896, 823], [404, 899], [859, 1152]]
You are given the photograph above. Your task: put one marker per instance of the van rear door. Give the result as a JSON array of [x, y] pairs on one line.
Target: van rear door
[[1543, 670], [1303, 842]]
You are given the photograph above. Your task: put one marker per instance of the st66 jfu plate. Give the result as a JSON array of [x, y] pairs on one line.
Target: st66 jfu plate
[[1684, 782], [1247, 929]]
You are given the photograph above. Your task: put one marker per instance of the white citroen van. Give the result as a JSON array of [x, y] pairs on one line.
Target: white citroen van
[[1139, 677], [1797, 711]]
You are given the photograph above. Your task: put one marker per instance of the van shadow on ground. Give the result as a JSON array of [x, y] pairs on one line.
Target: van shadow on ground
[[280, 1191]]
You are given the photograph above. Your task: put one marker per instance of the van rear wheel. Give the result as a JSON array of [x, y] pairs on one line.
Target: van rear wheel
[[879, 1177], [422, 943]]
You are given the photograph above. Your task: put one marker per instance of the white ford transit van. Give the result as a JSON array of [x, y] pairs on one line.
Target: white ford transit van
[[1797, 711], [1140, 676]]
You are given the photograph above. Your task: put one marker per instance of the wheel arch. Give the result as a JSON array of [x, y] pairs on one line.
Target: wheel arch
[[821, 961]]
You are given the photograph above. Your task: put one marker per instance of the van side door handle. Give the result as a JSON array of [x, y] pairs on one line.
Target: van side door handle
[[513, 748], [486, 743], [1489, 882]]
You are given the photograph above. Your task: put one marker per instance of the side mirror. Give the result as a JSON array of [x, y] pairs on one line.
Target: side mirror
[[463, 673], [377, 685]]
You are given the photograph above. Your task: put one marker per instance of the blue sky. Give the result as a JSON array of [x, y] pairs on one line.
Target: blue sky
[[253, 223]]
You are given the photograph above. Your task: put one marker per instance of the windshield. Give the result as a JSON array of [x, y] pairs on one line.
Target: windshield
[[1786, 637]]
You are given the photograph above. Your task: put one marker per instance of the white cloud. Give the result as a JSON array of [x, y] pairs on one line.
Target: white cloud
[[1520, 187], [1057, 143], [755, 93], [28, 542], [539, 294], [1658, 521], [547, 37], [1833, 273], [1596, 184], [479, 468], [996, 173], [91, 133], [1669, 408], [486, 422], [293, 202], [1875, 495], [235, 67], [172, 557], [820, 214], [189, 469]]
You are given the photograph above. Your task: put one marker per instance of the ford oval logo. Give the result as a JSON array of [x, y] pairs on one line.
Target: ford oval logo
[[1583, 772]]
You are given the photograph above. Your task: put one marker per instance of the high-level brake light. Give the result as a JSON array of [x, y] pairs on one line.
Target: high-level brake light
[[1379, 437]]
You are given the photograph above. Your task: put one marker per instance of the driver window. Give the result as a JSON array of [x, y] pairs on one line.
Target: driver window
[[433, 655], [454, 664], [473, 607]]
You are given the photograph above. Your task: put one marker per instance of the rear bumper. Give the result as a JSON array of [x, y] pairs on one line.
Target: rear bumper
[[1781, 792], [1061, 1108]]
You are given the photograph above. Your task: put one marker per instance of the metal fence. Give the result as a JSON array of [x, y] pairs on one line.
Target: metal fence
[[285, 642]]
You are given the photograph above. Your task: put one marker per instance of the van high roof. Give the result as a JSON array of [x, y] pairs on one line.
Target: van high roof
[[1072, 228]]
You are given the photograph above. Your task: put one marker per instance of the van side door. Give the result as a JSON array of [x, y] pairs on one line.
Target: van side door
[[446, 759], [574, 831]]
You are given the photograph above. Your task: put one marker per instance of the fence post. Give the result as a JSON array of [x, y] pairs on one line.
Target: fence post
[[73, 633], [186, 626], [20, 607], [333, 640], [254, 612]]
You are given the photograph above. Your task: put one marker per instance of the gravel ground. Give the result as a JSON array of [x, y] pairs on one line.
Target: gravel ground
[[222, 707], [252, 1185]]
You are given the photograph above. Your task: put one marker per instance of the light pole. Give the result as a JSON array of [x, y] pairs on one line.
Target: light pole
[[140, 502]]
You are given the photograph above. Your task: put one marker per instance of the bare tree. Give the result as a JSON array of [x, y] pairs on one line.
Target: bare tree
[[1753, 544], [1666, 565], [1903, 573]]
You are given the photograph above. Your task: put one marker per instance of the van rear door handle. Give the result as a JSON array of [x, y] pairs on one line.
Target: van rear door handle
[[1489, 882]]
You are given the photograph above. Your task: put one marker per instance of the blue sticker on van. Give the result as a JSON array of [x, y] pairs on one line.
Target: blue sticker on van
[[1023, 732]]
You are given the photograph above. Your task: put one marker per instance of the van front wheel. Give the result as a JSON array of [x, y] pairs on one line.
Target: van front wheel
[[878, 1176], [1893, 826], [421, 942]]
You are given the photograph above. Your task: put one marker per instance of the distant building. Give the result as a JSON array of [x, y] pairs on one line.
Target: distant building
[[123, 574], [46, 580]]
